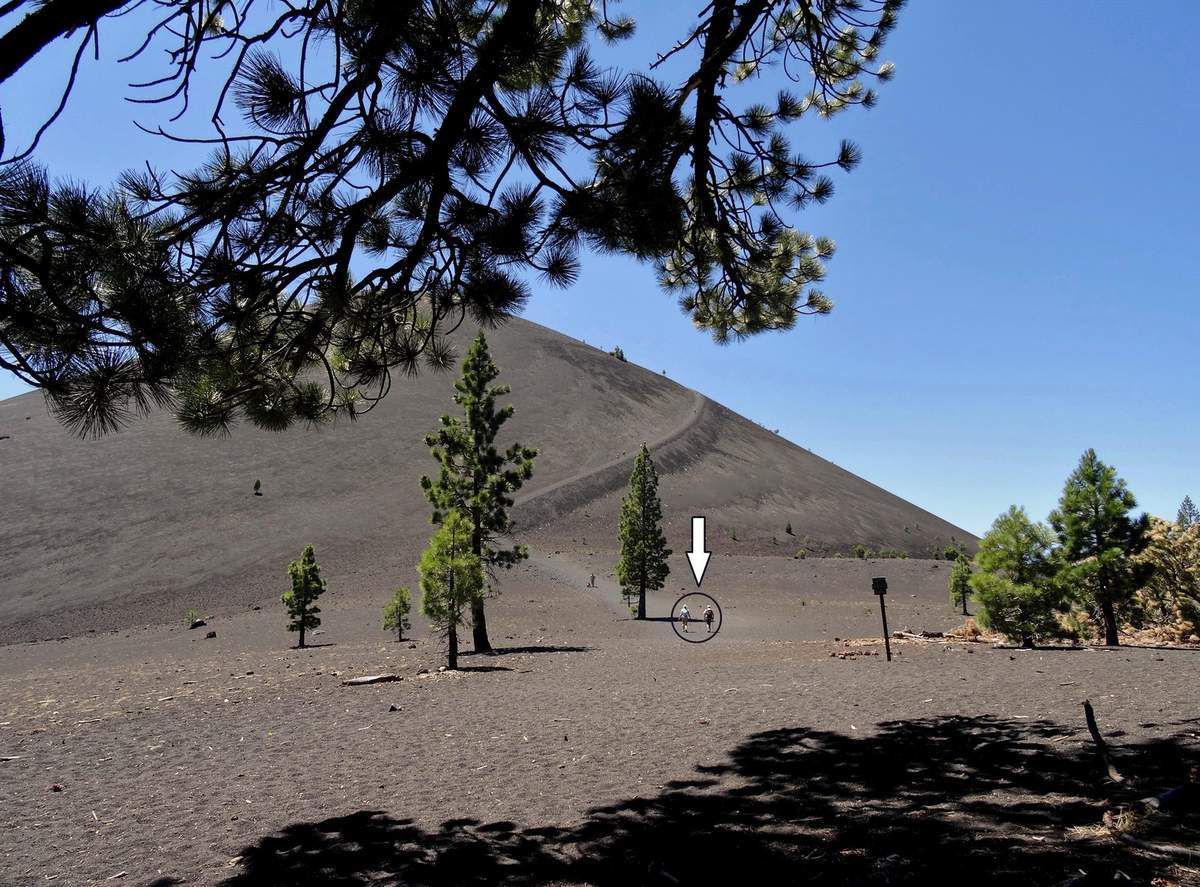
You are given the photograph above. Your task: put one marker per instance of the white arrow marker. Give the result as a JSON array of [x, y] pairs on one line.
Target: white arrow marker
[[699, 555]]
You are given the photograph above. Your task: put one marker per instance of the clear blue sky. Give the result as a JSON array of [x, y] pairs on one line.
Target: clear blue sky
[[1016, 276]]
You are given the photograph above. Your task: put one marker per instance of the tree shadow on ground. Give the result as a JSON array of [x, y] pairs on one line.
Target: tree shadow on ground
[[509, 651], [952, 799]]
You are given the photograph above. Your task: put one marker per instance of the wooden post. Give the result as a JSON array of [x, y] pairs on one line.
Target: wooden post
[[879, 586]]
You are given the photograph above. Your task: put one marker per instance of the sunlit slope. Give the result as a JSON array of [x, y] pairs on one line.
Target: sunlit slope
[[140, 525]]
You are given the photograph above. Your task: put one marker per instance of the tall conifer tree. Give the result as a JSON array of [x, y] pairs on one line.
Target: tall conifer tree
[[301, 600], [476, 478], [1099, 538], [644, 552], [1188, 513]]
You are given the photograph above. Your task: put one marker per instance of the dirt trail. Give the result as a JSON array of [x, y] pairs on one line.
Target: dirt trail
[[542, 506]]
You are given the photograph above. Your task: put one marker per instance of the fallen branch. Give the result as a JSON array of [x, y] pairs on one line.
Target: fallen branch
[[1171, 851], [1101, 747], [372, 679]]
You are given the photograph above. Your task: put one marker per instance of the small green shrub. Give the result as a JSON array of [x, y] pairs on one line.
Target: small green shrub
[[395, 613], [860, 551], [257, 487], [1014, 585], [190, 616], [1026, 614], [788, 529], [801, 553], [618, 353], [954, 550]]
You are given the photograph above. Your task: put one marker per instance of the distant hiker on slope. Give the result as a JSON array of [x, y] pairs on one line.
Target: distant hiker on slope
[[684, 616], [708, 617], [592, 581]]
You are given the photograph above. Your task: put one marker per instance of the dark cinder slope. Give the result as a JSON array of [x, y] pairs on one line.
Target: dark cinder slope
[[140, 525]]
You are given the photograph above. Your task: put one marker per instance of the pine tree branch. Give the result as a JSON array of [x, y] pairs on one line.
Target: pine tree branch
[[46, 24]]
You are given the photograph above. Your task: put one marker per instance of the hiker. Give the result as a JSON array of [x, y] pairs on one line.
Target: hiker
[[592, 581], [708, 617], [684, 616]]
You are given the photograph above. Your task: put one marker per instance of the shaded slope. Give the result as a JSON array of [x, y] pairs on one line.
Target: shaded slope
[[138, 526]]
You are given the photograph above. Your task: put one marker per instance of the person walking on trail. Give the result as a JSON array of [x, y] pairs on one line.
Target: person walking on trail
[[708, 617], [684, 616], [592, 581]]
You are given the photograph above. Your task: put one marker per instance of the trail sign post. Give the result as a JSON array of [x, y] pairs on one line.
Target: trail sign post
[[879, 586]]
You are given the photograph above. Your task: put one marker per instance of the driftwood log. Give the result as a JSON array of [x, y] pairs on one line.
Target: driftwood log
[[372, 679]]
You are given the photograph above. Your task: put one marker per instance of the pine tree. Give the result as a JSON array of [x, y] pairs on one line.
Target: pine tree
[[395, 613], [1171, 594], [643, 564], [1188, 514], [960, 583], [1015, 582], [451, 580], [476, 479], [1099, 539], [307, 586], [357, 225]]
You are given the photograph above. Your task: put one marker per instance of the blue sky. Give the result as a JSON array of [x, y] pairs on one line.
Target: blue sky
[[1016, 272]]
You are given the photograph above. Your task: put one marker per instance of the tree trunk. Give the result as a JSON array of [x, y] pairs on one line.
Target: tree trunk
[[479, 628], [642, 602], [479, 634], [1110, 624], [452, 649], [302, 633], [964, 603]]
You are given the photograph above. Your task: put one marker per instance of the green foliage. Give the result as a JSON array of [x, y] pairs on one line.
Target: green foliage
[[960, 583], [357, 223], [788, 529], [1170, 596], [1099, 540], [860, 551], [801, 553], [643, 562], [476, 478], [954, 550], [258, 488], [1188, 515], [307, 586], [190, 616], [892, 553], [618, 353], [1015, 583], [395, 613], [451, 579]]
